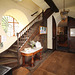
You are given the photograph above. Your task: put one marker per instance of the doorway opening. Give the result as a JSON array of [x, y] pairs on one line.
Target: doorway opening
[[62, 38]]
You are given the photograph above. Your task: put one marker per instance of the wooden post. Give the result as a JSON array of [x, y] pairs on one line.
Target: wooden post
[[23, 62], [32, 62], [13, 28], [40, 55], [18, 39], [18, 48]]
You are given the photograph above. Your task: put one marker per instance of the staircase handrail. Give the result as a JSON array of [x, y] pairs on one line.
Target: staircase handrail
[[29, 23], [35, 32]]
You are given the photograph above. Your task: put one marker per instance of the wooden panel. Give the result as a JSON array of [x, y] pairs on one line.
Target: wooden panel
[[54, 33], [48, 12], [71, 41]]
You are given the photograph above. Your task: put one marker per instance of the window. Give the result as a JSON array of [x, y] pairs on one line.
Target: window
[[10, 25]]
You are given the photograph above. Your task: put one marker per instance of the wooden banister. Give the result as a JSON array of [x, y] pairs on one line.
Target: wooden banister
[[36, 32], [30, 23], [25, 29]]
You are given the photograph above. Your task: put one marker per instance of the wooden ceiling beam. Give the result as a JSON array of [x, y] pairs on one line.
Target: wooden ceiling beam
[[52, 5], [48, 12]]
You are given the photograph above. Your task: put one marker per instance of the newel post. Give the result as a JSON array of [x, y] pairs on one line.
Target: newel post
[[18, 40], [18, 48], [42, 15]]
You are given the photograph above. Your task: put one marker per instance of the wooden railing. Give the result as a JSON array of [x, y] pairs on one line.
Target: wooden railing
[[24, 30], [36, 32], [38, 18]]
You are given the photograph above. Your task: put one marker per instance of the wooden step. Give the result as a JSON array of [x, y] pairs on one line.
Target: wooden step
[[8, 54], [10, 63], [8, 57], [25, 36], [13, 50], [13, 65], [6, 61], [22, 42], [33, 29], [22, 39], [16, 46]]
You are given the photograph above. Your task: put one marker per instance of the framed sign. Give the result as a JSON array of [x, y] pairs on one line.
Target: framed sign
[[43, 30]]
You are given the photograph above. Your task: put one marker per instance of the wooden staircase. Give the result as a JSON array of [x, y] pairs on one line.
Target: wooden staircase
[[10, 57]]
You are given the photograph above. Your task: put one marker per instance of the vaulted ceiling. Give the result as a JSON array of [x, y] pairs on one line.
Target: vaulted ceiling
[[58, 3], [69, 4]]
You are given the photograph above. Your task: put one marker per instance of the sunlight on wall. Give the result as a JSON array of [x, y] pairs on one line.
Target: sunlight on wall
[[19, 16], [49, 36], [23, 21]]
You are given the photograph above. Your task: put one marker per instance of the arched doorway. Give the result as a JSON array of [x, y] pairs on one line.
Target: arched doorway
[[62, 36]]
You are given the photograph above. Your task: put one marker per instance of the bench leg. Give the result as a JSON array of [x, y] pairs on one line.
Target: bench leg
[[23, 60], [40, 55], [32, 62]]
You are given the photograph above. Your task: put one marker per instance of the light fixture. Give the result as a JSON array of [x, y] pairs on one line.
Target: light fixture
[[64, 13]]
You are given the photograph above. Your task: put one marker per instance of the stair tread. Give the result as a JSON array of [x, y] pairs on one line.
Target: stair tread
[[7, 61], [13, 65], [23, 39], [7, 54], [26, 36], [16, 46], [13, 50]]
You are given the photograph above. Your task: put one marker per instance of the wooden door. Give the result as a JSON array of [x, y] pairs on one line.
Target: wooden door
[[54, 32]]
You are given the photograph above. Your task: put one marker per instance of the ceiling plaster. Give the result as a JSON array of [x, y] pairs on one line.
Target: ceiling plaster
[[41, 3], [69, 4]]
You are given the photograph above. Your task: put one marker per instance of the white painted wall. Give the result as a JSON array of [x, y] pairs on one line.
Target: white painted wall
[[49, 32], [21, 11]]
